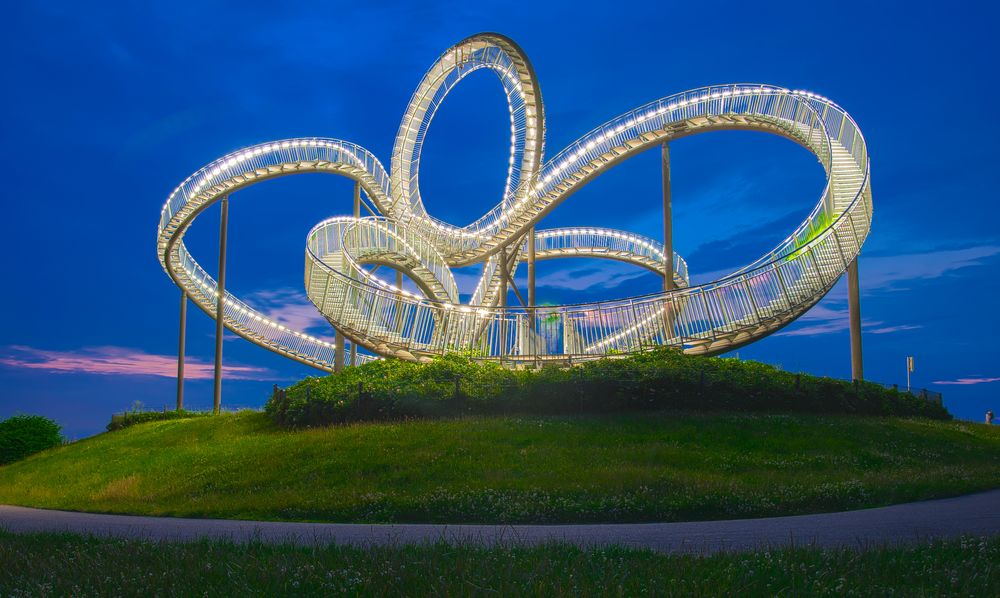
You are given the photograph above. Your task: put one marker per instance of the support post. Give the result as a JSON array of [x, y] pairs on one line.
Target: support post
[[668, 241], [180, 351], [220, 304], [531, 267], [854, 310], [502, 301], [399, 301], [338, 352], [354, 354], [357, 199], [668, 224]]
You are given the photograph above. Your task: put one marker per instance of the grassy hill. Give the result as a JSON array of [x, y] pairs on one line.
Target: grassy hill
[[648, 467]]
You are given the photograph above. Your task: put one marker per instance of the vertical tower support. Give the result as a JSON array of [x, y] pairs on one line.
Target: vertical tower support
[[220, 304], [180, 351], [338, 348], [399, 302], [338, 361], [854, 311], [531, 268], [668, 223]]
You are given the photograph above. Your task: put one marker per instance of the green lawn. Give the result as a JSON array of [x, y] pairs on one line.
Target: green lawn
[[65, 565], [650, 467]]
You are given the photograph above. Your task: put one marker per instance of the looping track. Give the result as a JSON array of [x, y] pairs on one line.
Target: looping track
[[705, 319]]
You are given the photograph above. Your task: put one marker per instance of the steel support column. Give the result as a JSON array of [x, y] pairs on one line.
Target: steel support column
[[357, 199], [854, 311], [338, 355], [220, 304], [668, 240], [399, 301], [668, 223], [531, 267], [180, 351]]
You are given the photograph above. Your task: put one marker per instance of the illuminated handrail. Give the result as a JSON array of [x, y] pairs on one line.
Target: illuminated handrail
[[708, 318]]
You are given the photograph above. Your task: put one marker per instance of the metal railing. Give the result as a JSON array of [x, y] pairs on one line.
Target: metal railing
[[707, 319]]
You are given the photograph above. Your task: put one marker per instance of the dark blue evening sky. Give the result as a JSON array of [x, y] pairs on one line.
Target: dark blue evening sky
[[107, 107]]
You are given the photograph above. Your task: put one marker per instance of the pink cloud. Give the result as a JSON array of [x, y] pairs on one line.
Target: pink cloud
[[968, 381], [122, 361]]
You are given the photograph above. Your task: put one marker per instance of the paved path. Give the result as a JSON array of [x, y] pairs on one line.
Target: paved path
[[975, 514]]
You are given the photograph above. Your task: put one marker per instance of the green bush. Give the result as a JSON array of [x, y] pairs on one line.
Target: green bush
[[131, 418], [655, 380], [24, 435]]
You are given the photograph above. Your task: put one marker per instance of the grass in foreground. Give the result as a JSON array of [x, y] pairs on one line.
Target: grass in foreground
[[652, 467], [62, 565]]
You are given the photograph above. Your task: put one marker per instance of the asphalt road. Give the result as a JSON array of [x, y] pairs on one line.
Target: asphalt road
[[974, 514]]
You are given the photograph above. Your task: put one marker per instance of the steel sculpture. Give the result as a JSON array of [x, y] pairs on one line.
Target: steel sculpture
[[388, 320]]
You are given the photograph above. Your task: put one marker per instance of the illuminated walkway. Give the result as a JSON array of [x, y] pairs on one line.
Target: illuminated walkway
[[387, 320], [973, 514]]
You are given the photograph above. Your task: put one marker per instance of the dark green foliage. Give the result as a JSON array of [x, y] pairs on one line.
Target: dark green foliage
[[656, 380], [66, 565], [131, 418], [24, 435]]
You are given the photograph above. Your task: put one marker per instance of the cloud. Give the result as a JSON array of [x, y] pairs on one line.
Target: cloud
[[607, 275], [968, 381], [122, 361], [290, 307], [886, 272], [879, 273], [745, 246], [891, 329], [823, 319]]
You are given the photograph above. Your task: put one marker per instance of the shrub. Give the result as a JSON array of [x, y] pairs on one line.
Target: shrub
[[24, 435], [131, 418], [658, 379]]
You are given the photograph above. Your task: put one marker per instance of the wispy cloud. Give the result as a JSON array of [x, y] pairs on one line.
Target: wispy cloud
[[968, 381], [824, 319], [121, 361], [603, 275], [290, 307], [887, 272]]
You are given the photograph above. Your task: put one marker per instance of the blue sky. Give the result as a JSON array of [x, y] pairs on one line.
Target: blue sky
[[107, 107]]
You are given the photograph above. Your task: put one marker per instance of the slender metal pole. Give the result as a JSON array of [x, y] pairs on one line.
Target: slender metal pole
[[668, 239], [180, 351], [854, 310], [668, 223], [338, 355], [354, 354], [531, 267], [219, 304], [357, 199], [399, 301], [502, 301]]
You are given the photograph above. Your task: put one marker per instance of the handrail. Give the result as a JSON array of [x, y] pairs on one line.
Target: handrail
[[708, 318]]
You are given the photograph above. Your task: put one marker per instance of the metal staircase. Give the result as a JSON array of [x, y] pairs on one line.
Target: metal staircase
[[704, 319]]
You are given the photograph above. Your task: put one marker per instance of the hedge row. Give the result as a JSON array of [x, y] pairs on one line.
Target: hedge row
[[131, 418], [656, 380]]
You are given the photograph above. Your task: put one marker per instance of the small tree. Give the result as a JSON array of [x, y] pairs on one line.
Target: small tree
[[24, 435]]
